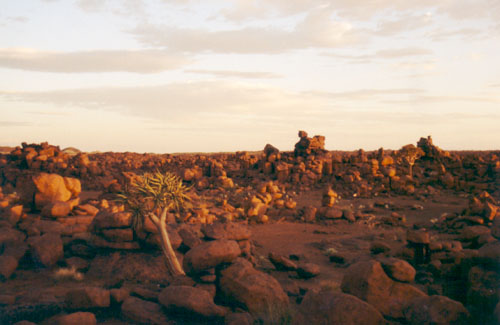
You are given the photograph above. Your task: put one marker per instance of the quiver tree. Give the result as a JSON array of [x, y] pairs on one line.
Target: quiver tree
[[410, 154], [151, 196]]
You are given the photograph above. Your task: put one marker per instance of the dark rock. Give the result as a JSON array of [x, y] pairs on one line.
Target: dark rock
[[328, 307], [47, 249], [436, 310], [143, 312], [87, 297], [185, 299]]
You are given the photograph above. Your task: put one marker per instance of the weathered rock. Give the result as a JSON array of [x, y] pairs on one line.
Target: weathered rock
[[47, 249], [106, 219], [8, 234], [281, 263], [368, 281], [259, 293], [53, 187], [436, 310], [8, 265], [119, 295], [80, 318], [56, 209], [186, 299], [87, 297], [143, 312], [398, 270], [308, 270], [378, 247], [329, 307], [119, 235], [189, 237], [230, 231], [210, 254], [489, 253]]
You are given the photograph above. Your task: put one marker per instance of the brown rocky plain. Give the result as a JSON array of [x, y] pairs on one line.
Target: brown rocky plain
[[311, 236]]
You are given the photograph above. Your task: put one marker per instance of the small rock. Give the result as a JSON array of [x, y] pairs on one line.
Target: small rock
[[281, 263], [378, 247], [308, 270]]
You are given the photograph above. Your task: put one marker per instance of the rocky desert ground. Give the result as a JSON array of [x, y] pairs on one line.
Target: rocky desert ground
[[308, 236]]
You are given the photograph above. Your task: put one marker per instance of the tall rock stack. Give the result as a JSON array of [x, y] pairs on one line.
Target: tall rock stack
[[307, 146]]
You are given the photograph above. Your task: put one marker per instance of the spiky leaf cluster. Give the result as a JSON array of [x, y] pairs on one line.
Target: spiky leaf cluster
[[153, 192]]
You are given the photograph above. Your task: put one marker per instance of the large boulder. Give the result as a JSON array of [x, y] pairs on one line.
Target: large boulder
[[51, 188], [368, 281], [329, 307], [143, 312], [210, 254], [436, 310], [261, 294], [189, 300], [47, 249], [399, 270]]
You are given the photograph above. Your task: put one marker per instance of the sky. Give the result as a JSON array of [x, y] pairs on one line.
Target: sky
[[170, 76]]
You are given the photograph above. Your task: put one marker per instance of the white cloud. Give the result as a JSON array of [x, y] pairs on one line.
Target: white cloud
[[144, 61], [317, 30], [236, 74]]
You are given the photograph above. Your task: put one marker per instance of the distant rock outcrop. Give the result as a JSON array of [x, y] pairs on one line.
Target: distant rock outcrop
[[307, 146]]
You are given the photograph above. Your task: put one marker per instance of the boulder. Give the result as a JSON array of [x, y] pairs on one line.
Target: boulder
[[47, 249], [210, 254], [143, 312], [259, 293], [87, 297], [398, 270], [52, 187], [329, 307], [189, 300], [368, 281], [436, 310], [57, 209]]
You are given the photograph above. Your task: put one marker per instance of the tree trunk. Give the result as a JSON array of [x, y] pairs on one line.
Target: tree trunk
[[173, 265]]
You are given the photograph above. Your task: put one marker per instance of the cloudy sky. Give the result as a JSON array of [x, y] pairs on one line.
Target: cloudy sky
[[207, 75]]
